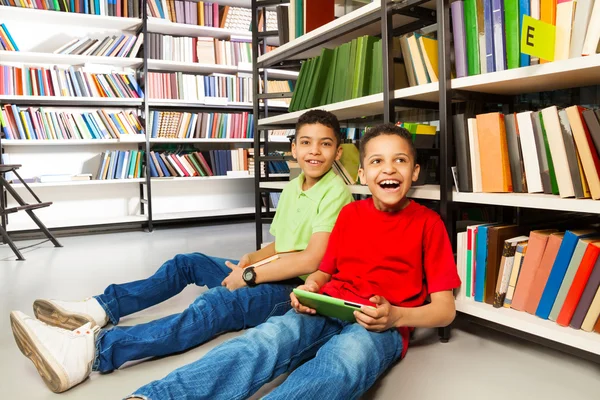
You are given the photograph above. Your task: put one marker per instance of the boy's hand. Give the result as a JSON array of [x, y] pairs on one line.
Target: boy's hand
[[309, 287], [234, 279], [377, 319], [243, 263]]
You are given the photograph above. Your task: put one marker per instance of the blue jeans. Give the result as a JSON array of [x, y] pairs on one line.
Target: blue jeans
[[215, 311], [348, 361]]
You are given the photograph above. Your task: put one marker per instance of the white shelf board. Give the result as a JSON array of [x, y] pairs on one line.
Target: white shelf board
[[425, 192], [273, 73], [575, 72], [203, 213], [541, 201], [35, 17], [181, 66], [200, 140], [192, 103], [57, 100], [167, 27], [279, 139], [67, 59], [201, 178], [531, 324], [92, 182], [71, 142]]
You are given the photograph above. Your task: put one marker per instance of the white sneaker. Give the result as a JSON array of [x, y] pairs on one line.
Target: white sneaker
[[63, 358], [70, 314]]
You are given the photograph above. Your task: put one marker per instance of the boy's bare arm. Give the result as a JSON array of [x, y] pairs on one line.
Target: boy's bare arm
[[295, 264], [440, 312]]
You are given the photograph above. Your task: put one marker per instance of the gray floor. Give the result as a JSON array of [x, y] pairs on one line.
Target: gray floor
[[477, 363]]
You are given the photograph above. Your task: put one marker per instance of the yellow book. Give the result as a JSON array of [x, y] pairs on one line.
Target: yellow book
[[592, 315], [586, 189], [105, 171], [565, 12], [429, 49], [25, 125], [426, 129], [201, 13], [137, 165], [548, 15], [124, 129]]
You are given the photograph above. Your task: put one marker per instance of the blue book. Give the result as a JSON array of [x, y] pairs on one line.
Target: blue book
[[163, 167], [153, 173], [499, 41], [160, 9], [91, 126], [71, 5], [559, 269], [523, 10], [16, 114], [481, 251], [40, 81], [120, 165], [111, 166], [229, 165], [210, 124], [74, 82], [488, 25], [10, 38], [30, 125], [86, 9], [155, 121], [134, 85], [117, 124], [100, 126]]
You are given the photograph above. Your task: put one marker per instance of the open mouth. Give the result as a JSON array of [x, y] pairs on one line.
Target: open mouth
[[314, 162], [389, 185]]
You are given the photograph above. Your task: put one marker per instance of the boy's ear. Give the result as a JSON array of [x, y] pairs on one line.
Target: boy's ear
[[361, 176], [294, 149], [415, 174], [339, 152]]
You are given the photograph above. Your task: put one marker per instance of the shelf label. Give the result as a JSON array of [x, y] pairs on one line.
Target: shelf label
[[537, 38]]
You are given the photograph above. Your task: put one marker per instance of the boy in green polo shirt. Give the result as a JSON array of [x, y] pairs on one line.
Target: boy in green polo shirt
[[240, 295]]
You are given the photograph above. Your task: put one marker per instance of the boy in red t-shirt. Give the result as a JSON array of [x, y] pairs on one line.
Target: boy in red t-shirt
[[387, 252]]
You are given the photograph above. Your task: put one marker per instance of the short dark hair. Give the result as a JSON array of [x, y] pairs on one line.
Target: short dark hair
[[320, 117], [387, 129]]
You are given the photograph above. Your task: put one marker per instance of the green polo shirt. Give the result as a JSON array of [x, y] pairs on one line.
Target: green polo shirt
[[301, 213]]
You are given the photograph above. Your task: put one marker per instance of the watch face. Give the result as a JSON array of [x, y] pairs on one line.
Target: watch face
[[248, 275]]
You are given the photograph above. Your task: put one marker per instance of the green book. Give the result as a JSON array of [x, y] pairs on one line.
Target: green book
[[296, 95], [304, 85], [196, 165], [512, 34], [318, 84], [299, 18], [473, 67], [468, 278], [352, 71], [307, 93], [359, 65], [140, 168], [341, 73], [327, 96], [553, 182], [132, 163], [369, 66]]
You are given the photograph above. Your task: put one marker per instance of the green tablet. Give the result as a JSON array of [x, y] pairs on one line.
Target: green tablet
[[327, 305]]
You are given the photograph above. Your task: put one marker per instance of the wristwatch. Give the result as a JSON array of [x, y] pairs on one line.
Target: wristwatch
[[249, 276]]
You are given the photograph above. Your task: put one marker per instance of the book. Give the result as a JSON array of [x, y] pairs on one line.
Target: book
[[506, 267], [520, 253]]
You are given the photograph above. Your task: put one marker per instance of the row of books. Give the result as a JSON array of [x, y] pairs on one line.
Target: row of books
[[109, 46], [303, 16], [349, 71], [121, 164], [551, 151], [202, 13], [110, 8], [196, 163], [218, 88], [6, 40], [207, 125], [205, 50], [28, 123], [279, 87], [420, 55], [67, 82], [553, 275], [487, 34]]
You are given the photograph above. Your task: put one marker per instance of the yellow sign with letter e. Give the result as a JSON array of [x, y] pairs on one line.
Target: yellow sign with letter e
[[537, 38]]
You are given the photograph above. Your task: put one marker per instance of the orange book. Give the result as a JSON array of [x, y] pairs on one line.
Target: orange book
[[597, 326], [547, 14], [590, 257], [493, 150], [224, 16], [541, 277], [531, 263], [19, 81]]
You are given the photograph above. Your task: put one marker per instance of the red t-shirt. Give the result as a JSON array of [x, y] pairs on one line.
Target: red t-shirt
[[402, 256]]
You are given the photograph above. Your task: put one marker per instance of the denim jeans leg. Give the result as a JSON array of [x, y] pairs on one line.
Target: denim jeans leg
[[345, 367], [215, 311], [239, 367], [119, 300]]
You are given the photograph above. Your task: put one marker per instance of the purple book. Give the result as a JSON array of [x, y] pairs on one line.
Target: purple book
[[587, 297], [460, 41], [179, 11], [499, 42], [490, 33], [194, 7]]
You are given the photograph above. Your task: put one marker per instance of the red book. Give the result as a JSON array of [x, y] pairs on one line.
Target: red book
[[175, 159], [317, 13], [202, 161], [578, 286], [215, 19]]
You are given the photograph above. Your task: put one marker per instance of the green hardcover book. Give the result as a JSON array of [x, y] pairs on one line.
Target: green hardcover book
[[341, 73], [132, 161], [377, 74], [370, 66], [472, 39], [308, 82], [352, 71], [318, 84], [140, 161], [302, 85], [296, 95], [468, 278], [359, 65], [549, 155], [512, 34], [327, 96], [196, 164]]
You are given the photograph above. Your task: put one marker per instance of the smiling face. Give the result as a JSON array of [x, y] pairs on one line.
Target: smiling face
[[315, 148], [389, 169]]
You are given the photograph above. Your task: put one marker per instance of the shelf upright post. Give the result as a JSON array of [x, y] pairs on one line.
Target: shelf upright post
[[446, 138], [145, 106], [387, 61], [256, 131]]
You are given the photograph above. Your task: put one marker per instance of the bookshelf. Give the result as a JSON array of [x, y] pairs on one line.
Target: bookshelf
[[380, 18], [99, 202]]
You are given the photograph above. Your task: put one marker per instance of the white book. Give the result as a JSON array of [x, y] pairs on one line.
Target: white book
[[65, 46], [583, 12], [565, 12], [474, 154], [592, 315], [200, 87], [530, 160], [558, 152], [592, 37], [137, 45]]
